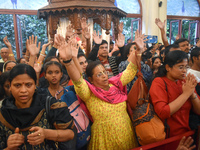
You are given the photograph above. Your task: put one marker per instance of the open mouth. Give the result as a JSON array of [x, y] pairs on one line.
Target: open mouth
[[53, 80]]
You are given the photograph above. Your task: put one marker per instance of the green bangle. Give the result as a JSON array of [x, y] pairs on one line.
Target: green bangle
[[194, 97], [67, 61]]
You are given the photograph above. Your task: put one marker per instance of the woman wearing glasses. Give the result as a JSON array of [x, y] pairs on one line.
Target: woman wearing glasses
[[173, 94], [105, 99]]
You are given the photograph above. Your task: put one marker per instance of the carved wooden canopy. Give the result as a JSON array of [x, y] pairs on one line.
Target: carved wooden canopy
[[102, 12]]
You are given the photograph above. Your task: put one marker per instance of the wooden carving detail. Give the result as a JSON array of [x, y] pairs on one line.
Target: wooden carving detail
[[75, 21], [53, 21], [108, 22], [102, 18], [115, 26]]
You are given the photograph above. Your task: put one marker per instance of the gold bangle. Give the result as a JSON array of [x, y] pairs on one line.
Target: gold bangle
[[43, 55], [139, 54], [57, 136], [11, 54]]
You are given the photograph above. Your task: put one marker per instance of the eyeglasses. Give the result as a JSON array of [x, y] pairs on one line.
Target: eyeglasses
[[100, 74], [183, 67]]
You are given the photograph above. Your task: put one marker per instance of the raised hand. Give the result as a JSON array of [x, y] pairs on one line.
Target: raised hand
[[37, 66], [113, 50], [159, 23], [139, 41], [86, 33], [121, 40], [177, 37], [37, 137], [74, 47], [84, 24], [85, 28], [44, 46], [120, 27], [64, 48], [32, 45], [15, 140], [6, 42], [97, 38], [185, 144]]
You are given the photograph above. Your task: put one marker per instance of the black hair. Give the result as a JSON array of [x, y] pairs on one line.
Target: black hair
[[24, 50], [6, 63], [161, 47], [49, 63], [154, 58], [167, 49], [195, 53], [80, 55], [146, 55], [18, 60], [128, 39], [171, 59], [91, 66], [181, 40], [111, 42], [162, 52], [3, 78], [51, 57], [104, 42], [20, 69], [175, 46], [127, 49]]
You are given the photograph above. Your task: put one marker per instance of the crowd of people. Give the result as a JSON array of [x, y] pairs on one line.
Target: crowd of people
[[101, 79]]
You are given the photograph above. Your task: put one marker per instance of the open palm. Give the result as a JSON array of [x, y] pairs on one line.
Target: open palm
[[63, 47], [159, 23], [32, 45]]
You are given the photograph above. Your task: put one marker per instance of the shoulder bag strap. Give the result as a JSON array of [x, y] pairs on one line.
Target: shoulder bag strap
[[167, 127]]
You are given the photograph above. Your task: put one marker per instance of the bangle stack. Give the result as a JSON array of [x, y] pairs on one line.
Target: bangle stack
[[11, 54], [42, 54]]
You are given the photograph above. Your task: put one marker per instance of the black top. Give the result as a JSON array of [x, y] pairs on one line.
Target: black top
[[12, 117]]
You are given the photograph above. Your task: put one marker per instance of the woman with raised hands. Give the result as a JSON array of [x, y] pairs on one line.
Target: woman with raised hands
[[105, 98]]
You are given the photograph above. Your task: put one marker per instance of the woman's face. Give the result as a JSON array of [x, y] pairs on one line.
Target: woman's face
[[178, 71], [157, 63], [53, 74], [83, 63], [9, 66], [132, 48], [99, 77], [22, 88], [6, 87]]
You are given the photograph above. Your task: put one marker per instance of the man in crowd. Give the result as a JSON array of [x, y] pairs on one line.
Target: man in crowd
[[4, 54]]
